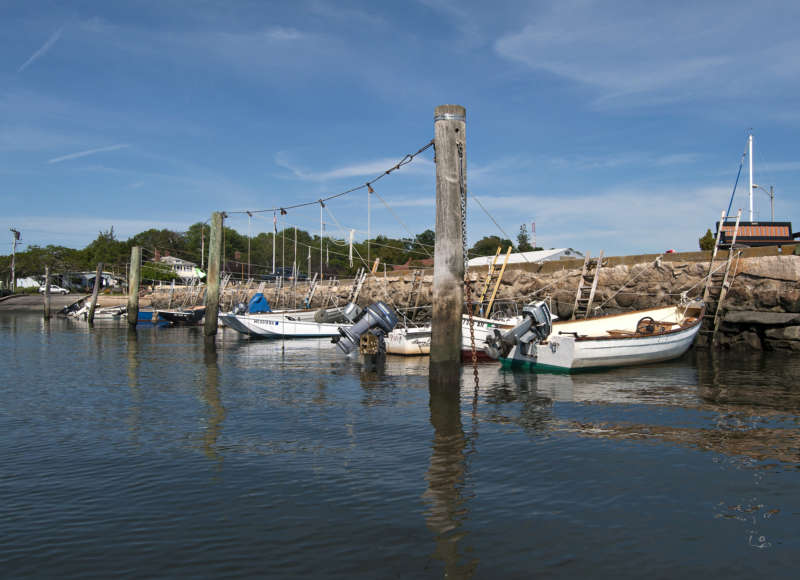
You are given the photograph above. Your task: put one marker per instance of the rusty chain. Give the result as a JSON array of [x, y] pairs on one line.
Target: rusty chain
[[467, 282]]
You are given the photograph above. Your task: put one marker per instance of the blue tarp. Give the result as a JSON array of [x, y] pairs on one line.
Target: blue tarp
[[258, 303]]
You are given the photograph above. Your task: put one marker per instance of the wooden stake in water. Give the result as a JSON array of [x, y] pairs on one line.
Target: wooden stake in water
[[47, 292], [448, 268], [95, 290], [133, 285], [212, 281]]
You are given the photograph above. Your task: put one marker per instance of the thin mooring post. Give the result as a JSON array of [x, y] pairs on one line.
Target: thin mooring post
[[448, 259], [47, 292], [134, 277], [212, 281], [95, 291]]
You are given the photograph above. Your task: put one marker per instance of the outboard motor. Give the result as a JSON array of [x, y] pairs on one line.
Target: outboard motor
[[536, 326], [240, 308], [349, 313], [352, 311], [377, 318]]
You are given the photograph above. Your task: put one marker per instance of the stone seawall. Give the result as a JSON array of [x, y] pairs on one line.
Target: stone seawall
[[762, 310]]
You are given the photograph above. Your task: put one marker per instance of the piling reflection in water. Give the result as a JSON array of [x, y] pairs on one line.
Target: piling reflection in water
[[215, 411], [132, 368], [447, 508]]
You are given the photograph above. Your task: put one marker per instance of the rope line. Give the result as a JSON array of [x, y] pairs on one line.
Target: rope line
[[404, 161]]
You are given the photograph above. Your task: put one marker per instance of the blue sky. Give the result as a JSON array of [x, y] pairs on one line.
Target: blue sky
[[613, 125]]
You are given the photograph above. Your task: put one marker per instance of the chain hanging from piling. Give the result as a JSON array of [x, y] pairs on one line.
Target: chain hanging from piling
[[467, 282]]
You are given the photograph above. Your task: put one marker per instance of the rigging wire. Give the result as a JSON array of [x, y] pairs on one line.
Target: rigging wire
[[399, 220], [404, 161], [497, 224]]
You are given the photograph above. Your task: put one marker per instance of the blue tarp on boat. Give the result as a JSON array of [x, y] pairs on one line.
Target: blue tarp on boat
[[258, 303]]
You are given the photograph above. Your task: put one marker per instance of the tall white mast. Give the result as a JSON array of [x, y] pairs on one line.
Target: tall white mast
[[750, 161]]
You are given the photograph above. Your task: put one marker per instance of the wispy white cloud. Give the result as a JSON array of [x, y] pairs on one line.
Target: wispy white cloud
[[79, 232], [27, 138], [492, 171], [648, 54], [655, 218], [780, 166], [88, 152], [366, 169], [42, 50]]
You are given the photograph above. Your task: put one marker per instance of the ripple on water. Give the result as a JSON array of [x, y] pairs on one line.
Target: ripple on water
[[152, 458]]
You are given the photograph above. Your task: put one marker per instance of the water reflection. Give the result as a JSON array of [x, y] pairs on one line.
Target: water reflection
[[215, 410], [447, 507], [132, 367]]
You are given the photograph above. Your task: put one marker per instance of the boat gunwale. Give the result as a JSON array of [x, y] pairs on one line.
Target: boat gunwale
[[586, 338]]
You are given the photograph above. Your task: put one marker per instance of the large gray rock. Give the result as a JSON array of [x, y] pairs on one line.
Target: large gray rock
[[786, 333], [790, 300], [774, 267], [765, 318], [747, 340]]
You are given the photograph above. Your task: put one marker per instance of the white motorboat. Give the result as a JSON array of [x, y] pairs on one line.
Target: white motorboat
[[278, 326], [103, 313], [415, 341], [630, 338], [290, 323]]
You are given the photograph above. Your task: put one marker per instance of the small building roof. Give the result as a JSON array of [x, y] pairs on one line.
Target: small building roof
[[176, 261], [529, 257]]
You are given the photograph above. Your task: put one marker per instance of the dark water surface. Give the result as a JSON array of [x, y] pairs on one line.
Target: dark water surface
[[147, 457]]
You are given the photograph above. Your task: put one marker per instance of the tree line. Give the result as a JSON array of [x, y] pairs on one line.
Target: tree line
[[242, 256]]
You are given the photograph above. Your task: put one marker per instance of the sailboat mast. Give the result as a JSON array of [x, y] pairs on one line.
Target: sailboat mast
[[750, 171]]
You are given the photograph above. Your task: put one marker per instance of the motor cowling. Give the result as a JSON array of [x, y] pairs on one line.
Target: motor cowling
[[377, 318], [537, 324]]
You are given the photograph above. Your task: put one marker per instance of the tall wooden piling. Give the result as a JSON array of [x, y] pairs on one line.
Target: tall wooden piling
[[47, 292], [448, 267], [134, 276], [212, 281], [95, 291]]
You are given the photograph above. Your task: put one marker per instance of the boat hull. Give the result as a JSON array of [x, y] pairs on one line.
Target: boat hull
[[189, 316], [567, 353], [417, 341], [277, 326]]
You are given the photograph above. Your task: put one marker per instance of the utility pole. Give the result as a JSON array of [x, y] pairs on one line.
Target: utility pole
[[15, 238], [448, 267], [274, 238], [321, 229], [249, 236]]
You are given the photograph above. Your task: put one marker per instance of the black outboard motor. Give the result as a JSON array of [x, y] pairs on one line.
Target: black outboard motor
[[534, 328], [377, 319]]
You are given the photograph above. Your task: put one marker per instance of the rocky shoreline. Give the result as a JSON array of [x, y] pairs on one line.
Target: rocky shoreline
[[761, 311]]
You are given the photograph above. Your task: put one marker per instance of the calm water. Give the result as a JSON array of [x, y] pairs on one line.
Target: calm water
[[147, 457]]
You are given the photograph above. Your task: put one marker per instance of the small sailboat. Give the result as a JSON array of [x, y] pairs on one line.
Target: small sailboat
[[630, 338]]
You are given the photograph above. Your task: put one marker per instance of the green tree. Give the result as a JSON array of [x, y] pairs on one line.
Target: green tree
[[707, 241], [105, 248], [487, 246], [165, 241], [523, 242]]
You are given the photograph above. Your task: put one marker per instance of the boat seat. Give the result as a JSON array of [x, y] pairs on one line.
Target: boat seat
[[622, 333]]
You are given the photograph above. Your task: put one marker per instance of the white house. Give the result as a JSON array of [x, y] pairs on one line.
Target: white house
[[185, 269], [529, 257], [27, 283]]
